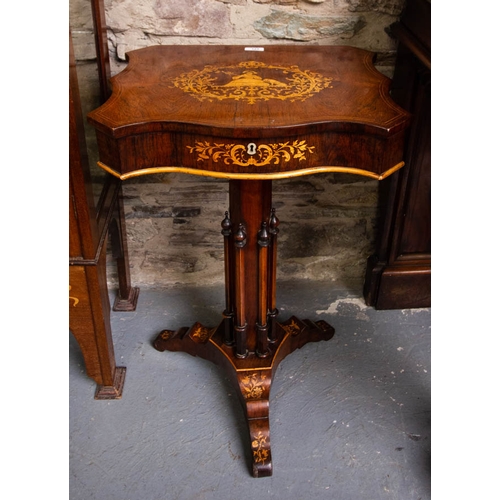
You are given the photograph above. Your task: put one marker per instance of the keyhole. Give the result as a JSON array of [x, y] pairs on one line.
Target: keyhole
[[251, 148]]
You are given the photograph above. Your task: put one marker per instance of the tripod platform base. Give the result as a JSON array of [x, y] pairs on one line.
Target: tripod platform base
[[252, 374]]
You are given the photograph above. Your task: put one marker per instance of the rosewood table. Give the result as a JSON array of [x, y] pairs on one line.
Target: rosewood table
[[250, 115]]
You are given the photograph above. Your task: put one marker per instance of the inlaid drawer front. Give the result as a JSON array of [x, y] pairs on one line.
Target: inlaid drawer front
[[251, 154], [253, 158]]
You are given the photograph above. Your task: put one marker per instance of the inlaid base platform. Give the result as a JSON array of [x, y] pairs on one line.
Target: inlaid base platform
[[252, 375]]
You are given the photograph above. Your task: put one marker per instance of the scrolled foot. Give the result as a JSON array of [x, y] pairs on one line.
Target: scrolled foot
[[301, 332], [255, 386], [191, 340], [166, 338]]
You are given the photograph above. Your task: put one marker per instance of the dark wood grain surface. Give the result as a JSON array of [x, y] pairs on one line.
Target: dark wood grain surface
[[177, 107], [250, 116], [399, 273]]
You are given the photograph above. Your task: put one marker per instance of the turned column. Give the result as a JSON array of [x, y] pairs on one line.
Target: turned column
[[249, 207]]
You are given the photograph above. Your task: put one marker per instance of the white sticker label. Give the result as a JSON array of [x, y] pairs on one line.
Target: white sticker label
[[255, 49]]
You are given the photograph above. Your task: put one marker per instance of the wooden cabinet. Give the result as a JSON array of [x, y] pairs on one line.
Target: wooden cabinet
[[399, 274]]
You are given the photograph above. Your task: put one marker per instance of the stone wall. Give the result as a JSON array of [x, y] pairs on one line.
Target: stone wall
[[328, 221]]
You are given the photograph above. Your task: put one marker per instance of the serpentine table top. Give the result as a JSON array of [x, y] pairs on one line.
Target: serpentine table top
[[250, 112]]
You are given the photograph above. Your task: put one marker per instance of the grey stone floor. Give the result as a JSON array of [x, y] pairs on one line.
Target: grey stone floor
[[350, 418]]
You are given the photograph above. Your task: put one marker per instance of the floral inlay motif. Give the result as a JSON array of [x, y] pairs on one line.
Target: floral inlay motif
[[264, 154], [292, 329], [166, 334], [260, 454], [251, 81], [253, 385], [201, 333]]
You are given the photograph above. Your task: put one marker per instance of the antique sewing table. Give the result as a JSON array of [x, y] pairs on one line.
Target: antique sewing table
[[250, 115]]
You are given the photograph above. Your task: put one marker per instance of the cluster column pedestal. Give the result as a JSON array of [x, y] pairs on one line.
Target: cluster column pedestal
[[249, 342]]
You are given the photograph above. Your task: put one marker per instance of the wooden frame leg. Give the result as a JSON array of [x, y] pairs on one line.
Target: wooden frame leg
[[89, 321], [126, 300]]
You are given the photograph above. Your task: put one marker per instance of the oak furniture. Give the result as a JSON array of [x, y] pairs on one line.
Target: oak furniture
[[249, 115], [89, 226], [399, 274]]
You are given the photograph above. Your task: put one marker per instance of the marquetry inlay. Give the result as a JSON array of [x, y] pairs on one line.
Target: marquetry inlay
[[292, 329], [252, 385], [201, 333], [251, 81], [260, 453], [74, 299], [252, 154]]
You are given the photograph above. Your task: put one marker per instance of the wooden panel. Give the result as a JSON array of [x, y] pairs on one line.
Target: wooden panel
[[88, 323], [228, 91], [399, 274], [82, 220], [283, 111], [101, 46], [89, 310], [408, 288], [416, 226]]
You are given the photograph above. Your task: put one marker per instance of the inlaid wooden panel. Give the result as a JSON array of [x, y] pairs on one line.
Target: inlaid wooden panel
[[226, 111]]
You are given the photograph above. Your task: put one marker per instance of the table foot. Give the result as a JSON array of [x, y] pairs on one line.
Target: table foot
[[127, 304], [260, 443], [112, 391], [251, 375]]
